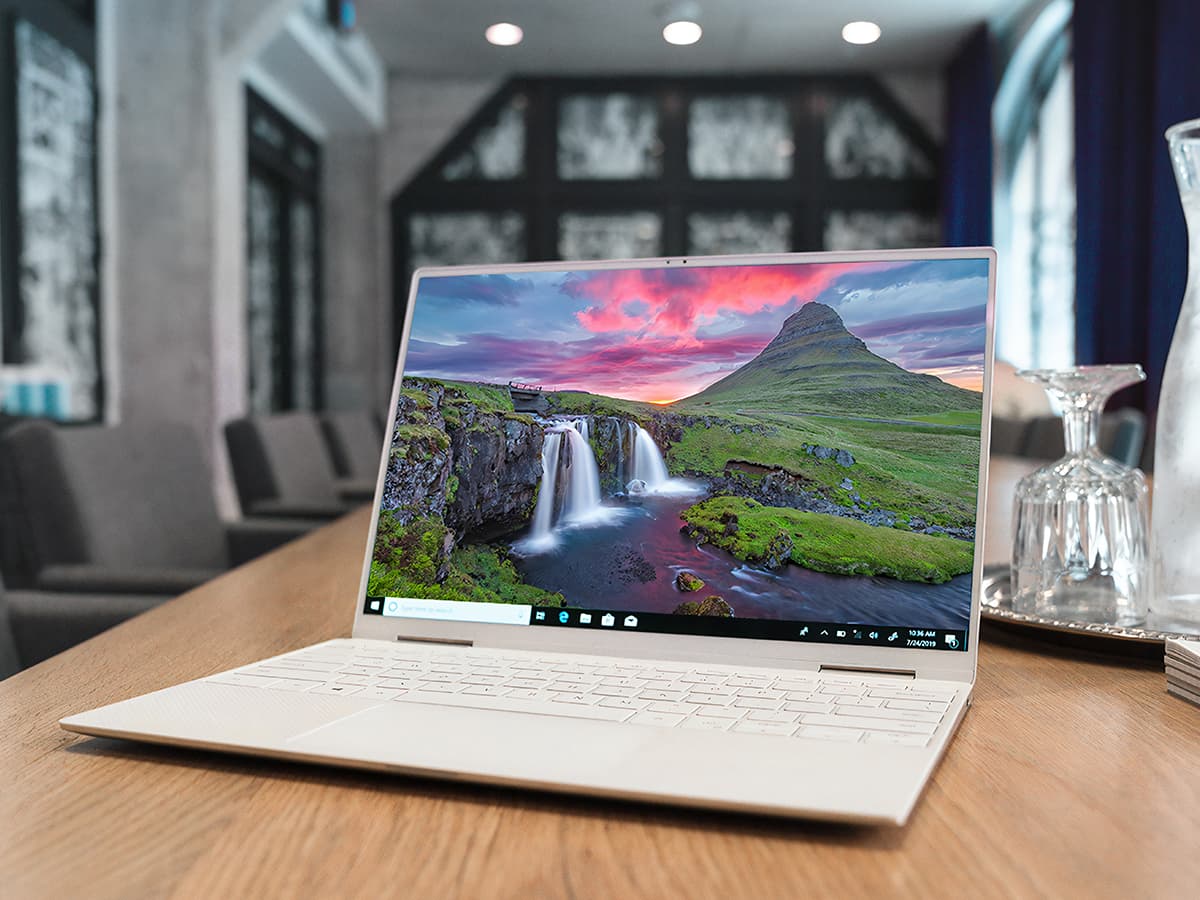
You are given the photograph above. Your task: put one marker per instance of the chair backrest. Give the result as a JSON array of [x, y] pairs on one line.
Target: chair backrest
[[281, 457], [126, 496], [355, 441], [10, 661]]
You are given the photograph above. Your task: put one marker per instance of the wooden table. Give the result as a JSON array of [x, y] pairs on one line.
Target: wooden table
[[1072, 775]]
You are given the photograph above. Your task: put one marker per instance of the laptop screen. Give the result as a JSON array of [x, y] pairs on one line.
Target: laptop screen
[[784, 451]]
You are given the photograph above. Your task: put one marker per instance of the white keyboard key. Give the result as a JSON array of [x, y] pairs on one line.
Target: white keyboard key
[[846, 735], [850, 721], [864, 702], [926, 705], [891, 737], [760, 693], [884, 714], [527, 694], [605, 690], [772, 715], [437, 687], [284, 684], [624, 703], [359, 670], [482, 679], [579, 699], [721, 690], [485, 690], [524, 682], [748, 727], [805, 706], [697, 678], [843, 689], [291, 662], [663, 706], [295, 674], [710, 699], [801, 696], [336, 689], [666, 720], [748, 681], [662, 695], [243, 680], [754, 703], [359, 680], [440, 677], [707, 723], [398, 684]]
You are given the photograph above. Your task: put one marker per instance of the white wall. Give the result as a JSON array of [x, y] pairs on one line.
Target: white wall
[[173, 162]]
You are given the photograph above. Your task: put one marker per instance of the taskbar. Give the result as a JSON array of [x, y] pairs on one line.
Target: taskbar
[[759, 629], [864, 634]]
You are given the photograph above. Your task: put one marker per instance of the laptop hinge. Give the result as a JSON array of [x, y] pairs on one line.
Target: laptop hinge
[[413, 639], [870, 670]]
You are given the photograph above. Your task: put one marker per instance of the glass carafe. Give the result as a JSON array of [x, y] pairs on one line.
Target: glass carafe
[[1081, 550], [1176, 515]]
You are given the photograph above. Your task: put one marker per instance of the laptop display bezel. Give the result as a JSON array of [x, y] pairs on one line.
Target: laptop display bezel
[[936, 664]]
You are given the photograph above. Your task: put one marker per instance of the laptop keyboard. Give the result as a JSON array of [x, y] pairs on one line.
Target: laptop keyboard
[[821, 706]]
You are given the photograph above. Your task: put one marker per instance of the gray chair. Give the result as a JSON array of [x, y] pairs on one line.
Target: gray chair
[[355, 443], [124, 510], [282, 467], [35, 625]]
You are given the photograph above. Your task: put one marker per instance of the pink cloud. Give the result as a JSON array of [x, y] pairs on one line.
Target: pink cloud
[[675, 302]]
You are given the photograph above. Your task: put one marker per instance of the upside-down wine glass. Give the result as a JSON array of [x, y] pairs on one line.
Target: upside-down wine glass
[[1081, 551]]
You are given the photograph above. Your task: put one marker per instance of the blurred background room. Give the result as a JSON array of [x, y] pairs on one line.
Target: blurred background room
[[209, 213]]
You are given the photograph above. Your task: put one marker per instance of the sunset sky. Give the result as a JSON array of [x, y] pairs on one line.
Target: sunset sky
[[663, 334]]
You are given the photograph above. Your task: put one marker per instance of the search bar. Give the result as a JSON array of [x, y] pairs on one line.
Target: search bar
[[458, 610]]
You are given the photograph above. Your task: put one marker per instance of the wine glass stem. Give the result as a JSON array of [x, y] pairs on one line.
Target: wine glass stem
[[1081, 429]]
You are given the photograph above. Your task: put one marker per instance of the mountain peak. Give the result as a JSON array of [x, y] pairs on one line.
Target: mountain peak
[[815, 324]]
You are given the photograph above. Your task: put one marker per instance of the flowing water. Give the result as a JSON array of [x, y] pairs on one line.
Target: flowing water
[[609, 567]]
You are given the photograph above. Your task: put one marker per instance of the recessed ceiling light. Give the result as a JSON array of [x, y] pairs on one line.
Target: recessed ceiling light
[[504, 34], [860, 32], [682, 33]]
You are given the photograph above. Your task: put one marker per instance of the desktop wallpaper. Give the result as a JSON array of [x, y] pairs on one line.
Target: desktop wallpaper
[[794, 442]]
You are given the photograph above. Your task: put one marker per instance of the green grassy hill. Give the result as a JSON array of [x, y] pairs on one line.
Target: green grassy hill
[[815, 365]]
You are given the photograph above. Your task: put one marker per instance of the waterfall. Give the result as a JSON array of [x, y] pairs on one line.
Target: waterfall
[[648, 463], [543, 513], [619, 427], [583, 479]]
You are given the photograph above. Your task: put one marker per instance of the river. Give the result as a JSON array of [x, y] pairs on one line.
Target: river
[[630, 563]]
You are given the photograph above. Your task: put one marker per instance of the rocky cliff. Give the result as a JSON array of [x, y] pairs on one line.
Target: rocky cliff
[[464, 457]]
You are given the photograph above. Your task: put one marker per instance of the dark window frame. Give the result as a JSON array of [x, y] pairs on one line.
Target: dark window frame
[[288, 182], [541, 195], [77, 33]]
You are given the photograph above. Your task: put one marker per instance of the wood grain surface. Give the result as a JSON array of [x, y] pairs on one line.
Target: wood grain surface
[[1073, 775]]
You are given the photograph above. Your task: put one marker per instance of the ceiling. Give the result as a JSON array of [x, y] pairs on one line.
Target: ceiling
[[564, 37]]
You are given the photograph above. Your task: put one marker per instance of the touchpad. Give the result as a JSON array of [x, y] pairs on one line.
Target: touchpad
[[446, 740]]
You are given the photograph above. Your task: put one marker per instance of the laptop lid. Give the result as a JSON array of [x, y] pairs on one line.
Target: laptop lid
[[771, 460]]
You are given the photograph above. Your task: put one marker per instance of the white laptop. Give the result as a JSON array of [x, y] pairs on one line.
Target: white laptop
[[694, 531]]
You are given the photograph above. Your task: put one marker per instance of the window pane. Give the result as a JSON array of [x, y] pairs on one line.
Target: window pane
[[1055, 225], [609, 235], [267, 131], [498, 150], [739, 232], [859, 230], [262, 214], [304, 305], [463, 238], [608, 136], [862, 141], [56, 187], [739, 137]]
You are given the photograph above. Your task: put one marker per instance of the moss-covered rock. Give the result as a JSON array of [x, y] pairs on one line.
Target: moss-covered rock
[[688, 581], [773, 535], [711, 605]]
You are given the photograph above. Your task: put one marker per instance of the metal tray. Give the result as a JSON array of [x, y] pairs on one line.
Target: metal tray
[[997, 605]]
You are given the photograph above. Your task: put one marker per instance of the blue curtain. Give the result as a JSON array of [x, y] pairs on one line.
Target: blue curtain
[[967, 163], [1137, 70]]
